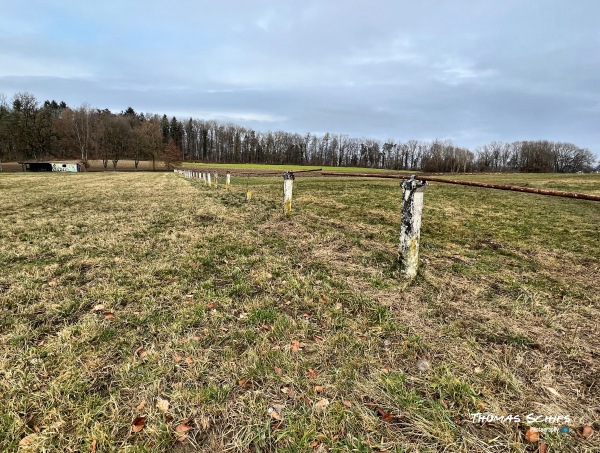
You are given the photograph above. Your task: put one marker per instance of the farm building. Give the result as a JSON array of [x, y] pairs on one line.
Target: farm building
[[72, 167]]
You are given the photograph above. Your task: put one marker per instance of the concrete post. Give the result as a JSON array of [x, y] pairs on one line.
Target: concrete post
[[227, 180], [410, 227], [216, 176], [288, 186], [209, 179]]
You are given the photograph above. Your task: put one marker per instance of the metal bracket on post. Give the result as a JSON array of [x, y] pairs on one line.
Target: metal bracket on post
[[410, 227], [288, 186]]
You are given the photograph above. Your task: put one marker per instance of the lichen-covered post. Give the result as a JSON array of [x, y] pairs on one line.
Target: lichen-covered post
[[410, 228], [288, 186], [227, 180]]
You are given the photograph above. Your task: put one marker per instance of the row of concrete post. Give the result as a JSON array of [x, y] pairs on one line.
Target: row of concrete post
[[410, 223], [209, 178]]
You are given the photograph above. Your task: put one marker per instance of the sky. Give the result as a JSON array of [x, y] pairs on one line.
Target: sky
[[469, 71]]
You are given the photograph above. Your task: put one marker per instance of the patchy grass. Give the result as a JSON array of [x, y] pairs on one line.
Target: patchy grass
[[128, 295]]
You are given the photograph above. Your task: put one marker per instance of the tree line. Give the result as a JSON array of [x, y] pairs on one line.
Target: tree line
[[30, 130]]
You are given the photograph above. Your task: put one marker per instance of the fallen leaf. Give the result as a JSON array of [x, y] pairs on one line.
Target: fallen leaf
[[109, 315], [423, 365], [94, 445], [211, 305], [312, 373], [318, 388], [178, 359], [265, 327], [28, 439], [274, 414], [532, 435], [322, 404], [338, 306], [182, 438], [41, 343], [197, 337], [183, 428], [141, 352], [98, 307], [586, 431], [295, 346], [543, 448], [346, 403], [163, 405], [140, 406], [189, 360], [51, 284], [385, 416], [481, 406], [278, 371], [314, 444], [553, 391], [138, 424], [244, 383]]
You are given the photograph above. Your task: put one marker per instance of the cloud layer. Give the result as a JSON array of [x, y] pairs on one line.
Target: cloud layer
[[469, 71]]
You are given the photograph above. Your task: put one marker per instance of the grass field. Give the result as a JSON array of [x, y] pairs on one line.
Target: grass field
[[145, 312]]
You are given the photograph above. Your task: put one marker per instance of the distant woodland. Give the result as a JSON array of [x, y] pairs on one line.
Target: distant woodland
[[31, 130]]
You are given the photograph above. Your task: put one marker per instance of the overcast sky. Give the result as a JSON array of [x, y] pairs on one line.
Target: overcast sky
[[471, 71]]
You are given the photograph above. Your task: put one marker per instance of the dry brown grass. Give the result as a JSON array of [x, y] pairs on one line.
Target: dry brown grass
[[119, 288]]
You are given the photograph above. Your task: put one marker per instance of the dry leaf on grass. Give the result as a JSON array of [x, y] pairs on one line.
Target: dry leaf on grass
[[532, 435], [94, 445], [28, 439], [318, 388], [183, 428], [423, 365], [321, 404], [278, 371], [274, 414], [211, 305], [312, 373], [244, 383], [295, 345], [543, 447], [386, 416], [346, 403], [109, 315], [586, 431], [553, 391], [140, 406], [99, 307], [138, 424], [141, 352], [189, 361], [52, 284], [163, 405]]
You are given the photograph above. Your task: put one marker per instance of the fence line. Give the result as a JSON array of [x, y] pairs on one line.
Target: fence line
[[554, 193]]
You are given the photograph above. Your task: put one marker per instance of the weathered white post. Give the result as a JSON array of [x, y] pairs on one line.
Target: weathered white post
[[410, 227], [209, 180], [288, 186], [216, 176], [227, 180]]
